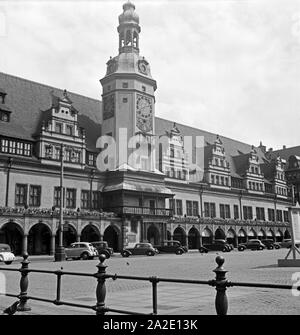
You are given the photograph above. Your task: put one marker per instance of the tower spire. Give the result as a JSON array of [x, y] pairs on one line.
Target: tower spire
[[129, 29]]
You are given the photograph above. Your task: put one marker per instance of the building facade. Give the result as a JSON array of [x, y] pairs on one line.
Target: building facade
[[128, 175]]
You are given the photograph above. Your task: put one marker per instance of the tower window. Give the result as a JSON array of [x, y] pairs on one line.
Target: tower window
[[108, 87], [125, 85], [144, 88], [125, 100]]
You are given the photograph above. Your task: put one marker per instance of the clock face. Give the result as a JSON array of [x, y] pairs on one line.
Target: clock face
[[143, 67], [108, 106], [144, 113]]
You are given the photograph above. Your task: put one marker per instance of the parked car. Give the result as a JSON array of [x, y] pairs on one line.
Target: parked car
[[251, 244], [171, 246], [6, 254], [224, 241], [81, 250], [270, 244], [140, 249], [287, 243], [217, 245], [103, 248]]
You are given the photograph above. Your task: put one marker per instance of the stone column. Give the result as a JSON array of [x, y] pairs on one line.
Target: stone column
[[52, 245], [187, 240], [78, 237], [25, 243], [101, 237], [200, 240], [236, 240]]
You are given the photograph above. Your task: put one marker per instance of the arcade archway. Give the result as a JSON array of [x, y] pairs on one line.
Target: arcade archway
[[242, 236], [153, 235], [219, 234], [39, 239], [111, 236], [207, 236], [261, 235], [287, 234], [90, 233], [231, 237], [252, 234], [12, 234], [270, 234], [193, 238], [69, 235], [279, 236], [179, 235]]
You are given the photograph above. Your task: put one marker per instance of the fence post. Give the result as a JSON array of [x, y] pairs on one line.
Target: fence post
[[24, 285], [221, 302], [101, 288]]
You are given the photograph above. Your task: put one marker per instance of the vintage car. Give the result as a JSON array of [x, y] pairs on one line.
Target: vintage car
[[6, 255], [81, 250], [217, 245], [171, 246], [140, 249], [287, 243], [270, 244], [253, 244], [103, 248]]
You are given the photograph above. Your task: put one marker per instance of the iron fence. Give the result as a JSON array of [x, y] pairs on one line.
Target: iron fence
[[220, 283]]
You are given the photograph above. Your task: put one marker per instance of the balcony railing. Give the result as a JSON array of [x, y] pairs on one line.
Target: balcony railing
[[136, 210]]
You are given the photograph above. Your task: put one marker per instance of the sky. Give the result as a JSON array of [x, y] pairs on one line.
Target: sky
[[228, 67]]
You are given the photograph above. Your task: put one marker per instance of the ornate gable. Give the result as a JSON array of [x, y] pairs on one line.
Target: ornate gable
[[60, 129]]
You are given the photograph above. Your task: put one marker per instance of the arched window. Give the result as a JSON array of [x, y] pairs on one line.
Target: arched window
[[128, 38]]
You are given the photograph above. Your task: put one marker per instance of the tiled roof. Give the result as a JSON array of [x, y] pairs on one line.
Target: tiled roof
[[28, 100], [286, 153]]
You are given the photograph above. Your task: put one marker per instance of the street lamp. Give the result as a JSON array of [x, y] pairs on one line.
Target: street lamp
[[91, 189], [60, 250]]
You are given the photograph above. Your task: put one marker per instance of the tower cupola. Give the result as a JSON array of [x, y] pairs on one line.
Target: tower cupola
[[129, 29]]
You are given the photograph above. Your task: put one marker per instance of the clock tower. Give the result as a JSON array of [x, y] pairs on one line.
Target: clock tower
[[128, 97]]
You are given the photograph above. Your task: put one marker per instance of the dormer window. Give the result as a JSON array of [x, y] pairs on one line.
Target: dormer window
[[4, 116]]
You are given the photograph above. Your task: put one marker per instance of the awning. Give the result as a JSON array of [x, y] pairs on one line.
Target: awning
[[138, 187]]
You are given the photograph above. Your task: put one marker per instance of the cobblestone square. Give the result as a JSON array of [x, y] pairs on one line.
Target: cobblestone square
[[247, 266]]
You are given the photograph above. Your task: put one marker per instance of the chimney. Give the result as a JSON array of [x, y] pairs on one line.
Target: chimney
[[284, 147]]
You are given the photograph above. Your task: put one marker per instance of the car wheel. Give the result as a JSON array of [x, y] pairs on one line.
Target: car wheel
[[201, 250], [225, 250], [85, 256], [178, 252], [150, 253], [277, 247], [260, 248], [125, 254], [241, 249], [271, 247], [8, 262]]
